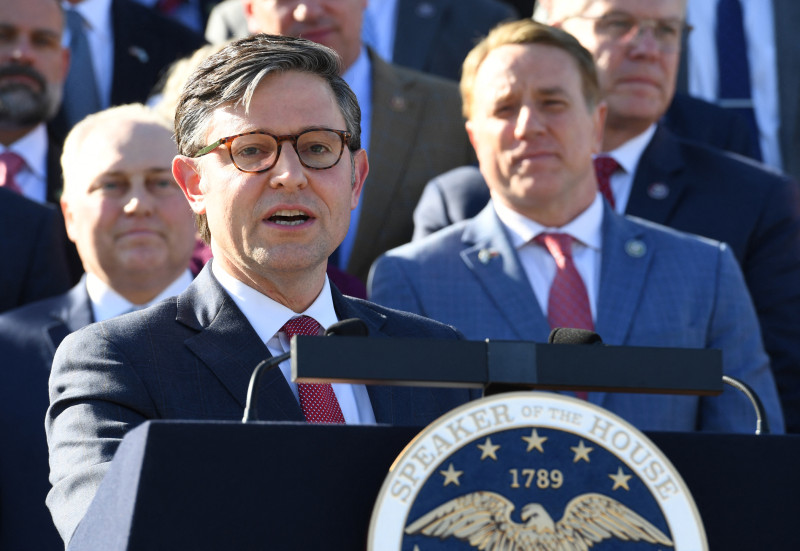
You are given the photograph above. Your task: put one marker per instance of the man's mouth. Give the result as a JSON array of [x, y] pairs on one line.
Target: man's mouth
[[289, 217]]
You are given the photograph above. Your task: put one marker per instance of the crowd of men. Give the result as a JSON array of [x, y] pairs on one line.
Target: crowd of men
[[472, 174]]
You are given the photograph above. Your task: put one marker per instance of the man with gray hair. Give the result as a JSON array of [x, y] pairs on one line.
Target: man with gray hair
[[135, 235], [271, 164]]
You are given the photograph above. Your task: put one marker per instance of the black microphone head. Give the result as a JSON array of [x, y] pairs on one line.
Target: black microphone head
[[570, 335], [352, 327]]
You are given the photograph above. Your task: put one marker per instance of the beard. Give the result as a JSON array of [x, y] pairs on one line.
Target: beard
[[23, 105]]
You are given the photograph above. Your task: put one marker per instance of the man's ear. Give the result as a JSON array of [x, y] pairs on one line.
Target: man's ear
[[66, 212], [360, 171], [468, 126], [186, 174]]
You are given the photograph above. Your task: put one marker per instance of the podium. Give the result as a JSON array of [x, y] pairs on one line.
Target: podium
[[224, 485]]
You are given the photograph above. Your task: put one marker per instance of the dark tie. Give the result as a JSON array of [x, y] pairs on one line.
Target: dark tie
[[318, 401], [10, 165], [733, 66], [80, 90], [604, 167], [568, 302]]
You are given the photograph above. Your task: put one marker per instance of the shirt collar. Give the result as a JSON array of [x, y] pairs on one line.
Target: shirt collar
[[268, 316], [32, 147], [586, 227], [107, 303], [629, 153]]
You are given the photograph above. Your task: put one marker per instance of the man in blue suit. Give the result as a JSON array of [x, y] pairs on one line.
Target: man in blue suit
[[673, 181], [535, 120], [272, 166], [135, 235]]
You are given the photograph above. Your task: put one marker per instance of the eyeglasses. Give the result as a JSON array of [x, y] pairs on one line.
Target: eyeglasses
[[317, 148], [668, 33]]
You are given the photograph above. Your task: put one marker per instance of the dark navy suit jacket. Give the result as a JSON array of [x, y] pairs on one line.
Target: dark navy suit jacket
[[191, 357], [29, 337], [706, 192], [32, 249], [435, 36], [145, 44]]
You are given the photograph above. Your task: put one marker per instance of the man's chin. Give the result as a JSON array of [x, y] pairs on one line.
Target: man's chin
[[20, 109]]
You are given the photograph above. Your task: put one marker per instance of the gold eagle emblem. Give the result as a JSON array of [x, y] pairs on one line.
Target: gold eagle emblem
[[484, 520]]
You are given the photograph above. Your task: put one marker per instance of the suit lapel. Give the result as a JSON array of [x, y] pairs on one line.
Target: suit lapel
[[230, 347], [656, 186], [491, 258], [72, 313], [627, 257]]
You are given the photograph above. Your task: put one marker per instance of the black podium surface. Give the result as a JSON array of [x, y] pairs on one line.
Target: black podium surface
[[224, 485]]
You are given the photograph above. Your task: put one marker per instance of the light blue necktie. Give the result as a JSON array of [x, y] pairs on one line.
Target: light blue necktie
[[80, 90]]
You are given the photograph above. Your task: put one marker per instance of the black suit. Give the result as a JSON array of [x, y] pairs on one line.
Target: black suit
[[190, 357], [145, 45], [32, 251], [700, 190], [29, 337], [703, 122]]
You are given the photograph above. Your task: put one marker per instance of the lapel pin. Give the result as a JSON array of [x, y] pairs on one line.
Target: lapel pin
[[659, 191], [635, 248], [485, 255], [425, 10], [398, 103], [139, 53]]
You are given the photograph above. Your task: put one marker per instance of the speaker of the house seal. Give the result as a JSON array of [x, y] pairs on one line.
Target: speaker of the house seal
[[533, 471]]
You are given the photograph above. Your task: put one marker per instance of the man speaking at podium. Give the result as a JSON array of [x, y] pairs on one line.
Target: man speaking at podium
[[271, 165], [549, 250]]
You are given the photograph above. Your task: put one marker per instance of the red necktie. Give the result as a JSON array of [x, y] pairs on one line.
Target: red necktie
[[318, 401], [10, 165], [568, 303], [604, 167]]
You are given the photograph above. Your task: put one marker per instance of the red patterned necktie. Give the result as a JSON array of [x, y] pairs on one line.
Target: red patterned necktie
[[318, 401], [568, 302], [604, 167], [10, 165]]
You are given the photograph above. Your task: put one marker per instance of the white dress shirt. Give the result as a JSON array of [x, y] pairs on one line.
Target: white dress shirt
[[703, 74], [539, 264], [268, 317], [32, 178], [107, 303], [627, 155]]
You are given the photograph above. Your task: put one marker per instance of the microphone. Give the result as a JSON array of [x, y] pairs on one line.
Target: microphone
[[352, 327], [570, 335]]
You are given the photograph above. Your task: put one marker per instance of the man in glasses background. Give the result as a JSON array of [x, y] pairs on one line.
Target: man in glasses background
[[271, 164], [652, 173]]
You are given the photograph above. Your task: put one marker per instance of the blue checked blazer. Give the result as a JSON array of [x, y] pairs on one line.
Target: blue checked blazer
[[683, 291]]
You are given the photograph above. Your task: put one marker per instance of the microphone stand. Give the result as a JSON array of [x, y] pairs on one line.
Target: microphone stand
[[251, 407]]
